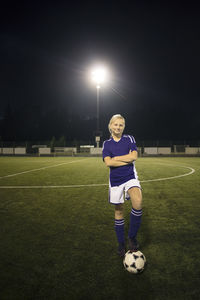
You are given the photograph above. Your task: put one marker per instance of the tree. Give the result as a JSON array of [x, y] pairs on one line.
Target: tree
[[62, 141], [52, 143]]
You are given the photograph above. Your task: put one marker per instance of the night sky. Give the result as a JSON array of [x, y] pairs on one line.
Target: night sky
[[150, 48]]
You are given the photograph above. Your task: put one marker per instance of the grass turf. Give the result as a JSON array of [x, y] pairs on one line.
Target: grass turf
[[59, 243]]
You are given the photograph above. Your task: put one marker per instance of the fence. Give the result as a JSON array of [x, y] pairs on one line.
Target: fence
[[73, 151]]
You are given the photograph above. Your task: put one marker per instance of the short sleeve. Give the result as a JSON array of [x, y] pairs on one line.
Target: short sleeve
[[105, 150], [133, 146]]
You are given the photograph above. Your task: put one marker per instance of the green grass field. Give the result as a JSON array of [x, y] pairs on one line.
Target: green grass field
[[57, 230]]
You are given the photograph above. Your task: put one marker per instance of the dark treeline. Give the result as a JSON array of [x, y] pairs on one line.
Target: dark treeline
[[32, 122]]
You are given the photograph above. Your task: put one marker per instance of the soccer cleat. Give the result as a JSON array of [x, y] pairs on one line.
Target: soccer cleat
[[133, 245], [121, 249]]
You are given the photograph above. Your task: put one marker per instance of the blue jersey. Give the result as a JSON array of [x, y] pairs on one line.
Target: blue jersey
[[111, 148]]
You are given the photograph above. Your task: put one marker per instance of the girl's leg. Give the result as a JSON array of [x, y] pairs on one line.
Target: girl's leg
[[135, 217], [119, 228]]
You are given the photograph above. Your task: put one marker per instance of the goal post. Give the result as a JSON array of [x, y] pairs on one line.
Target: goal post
[[65, 151]]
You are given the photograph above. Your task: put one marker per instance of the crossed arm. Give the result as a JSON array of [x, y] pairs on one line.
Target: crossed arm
[[122, 160]]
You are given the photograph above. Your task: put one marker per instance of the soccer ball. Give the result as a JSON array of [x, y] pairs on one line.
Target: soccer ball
[[134, 262]]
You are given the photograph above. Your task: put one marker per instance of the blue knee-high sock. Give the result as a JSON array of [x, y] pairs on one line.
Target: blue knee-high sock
[[135, 221], [119, 229]]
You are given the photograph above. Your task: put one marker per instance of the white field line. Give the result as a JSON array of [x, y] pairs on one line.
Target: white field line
[[43, 168], [94, 184], [173, 177], [52, 186]]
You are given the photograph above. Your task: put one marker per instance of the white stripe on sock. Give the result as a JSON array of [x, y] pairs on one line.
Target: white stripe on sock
[[136, 213]]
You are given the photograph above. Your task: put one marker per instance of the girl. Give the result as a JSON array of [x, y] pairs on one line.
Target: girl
[[119, 154]]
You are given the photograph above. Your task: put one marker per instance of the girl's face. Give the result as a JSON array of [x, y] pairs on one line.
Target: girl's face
[[117, 127]]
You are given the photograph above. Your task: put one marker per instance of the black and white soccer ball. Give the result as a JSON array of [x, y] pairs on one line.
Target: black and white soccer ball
[[134, 262]]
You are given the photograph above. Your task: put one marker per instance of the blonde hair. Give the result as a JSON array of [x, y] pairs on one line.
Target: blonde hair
[[114, 117]]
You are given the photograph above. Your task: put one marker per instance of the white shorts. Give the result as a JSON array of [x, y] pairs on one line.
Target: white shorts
[[117, 194]]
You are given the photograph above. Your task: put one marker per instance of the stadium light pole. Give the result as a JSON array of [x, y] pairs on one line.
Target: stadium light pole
[[98, 77], [98, 90]]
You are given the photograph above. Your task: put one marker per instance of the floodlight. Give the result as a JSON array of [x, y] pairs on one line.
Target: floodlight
[[98, 75]]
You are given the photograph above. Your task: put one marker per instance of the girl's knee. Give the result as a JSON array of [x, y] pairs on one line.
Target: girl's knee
[[136, 199], [136, 194], [119, 211]]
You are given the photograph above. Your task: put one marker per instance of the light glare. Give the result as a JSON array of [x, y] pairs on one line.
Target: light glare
[[98, 75]]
